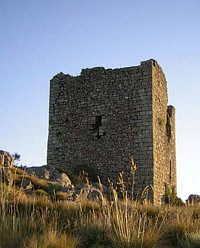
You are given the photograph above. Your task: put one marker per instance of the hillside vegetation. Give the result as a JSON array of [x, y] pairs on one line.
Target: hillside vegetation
[[43, 218]]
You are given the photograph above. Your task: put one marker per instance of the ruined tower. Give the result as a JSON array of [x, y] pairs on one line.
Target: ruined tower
[[104, 117]]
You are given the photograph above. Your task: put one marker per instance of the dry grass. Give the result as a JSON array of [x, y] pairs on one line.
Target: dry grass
[[37, 221], [52, 239]]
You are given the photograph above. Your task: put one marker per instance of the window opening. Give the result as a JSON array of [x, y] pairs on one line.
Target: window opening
[[98, 126], [98, 121]]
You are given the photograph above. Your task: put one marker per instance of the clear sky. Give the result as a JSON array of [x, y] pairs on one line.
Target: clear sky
[[38, 39]]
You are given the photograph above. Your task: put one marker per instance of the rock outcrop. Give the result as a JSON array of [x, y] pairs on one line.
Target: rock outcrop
[[46, 179], [50, 173], [6, 162], [6, 159], [193, 199]]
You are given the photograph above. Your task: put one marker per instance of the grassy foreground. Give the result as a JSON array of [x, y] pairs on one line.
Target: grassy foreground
[[39, 222]]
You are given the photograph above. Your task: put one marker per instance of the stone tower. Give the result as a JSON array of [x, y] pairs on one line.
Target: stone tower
[[104, 117]]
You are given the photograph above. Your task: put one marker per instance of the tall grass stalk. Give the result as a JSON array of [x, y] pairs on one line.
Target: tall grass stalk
[[114, 221]]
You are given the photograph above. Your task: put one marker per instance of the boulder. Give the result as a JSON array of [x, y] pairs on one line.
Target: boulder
[[88, 191], [50, 173], [193, 199], [6, 159], [6, 162]]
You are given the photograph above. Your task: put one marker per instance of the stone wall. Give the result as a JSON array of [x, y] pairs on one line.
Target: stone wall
[[164, 162], [105, 117]]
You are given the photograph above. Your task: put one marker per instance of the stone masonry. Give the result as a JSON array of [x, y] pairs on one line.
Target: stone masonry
[[104, 117]]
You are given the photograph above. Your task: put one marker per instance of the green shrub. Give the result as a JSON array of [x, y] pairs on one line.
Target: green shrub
[[171, 196], [161, 121]]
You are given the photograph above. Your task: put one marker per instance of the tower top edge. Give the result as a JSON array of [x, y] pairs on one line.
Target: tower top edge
[[103, 70]]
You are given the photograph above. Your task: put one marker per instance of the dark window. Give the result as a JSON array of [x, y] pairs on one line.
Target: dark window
[[98, 121], [98, 126]]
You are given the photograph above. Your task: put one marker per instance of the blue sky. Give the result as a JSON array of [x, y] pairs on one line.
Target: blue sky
[[38, 39]]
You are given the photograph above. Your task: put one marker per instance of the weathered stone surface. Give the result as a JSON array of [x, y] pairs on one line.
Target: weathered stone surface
[[88, 191], [6, 159], [6, 162], [103, 118], [51, 174], [193, 199]]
